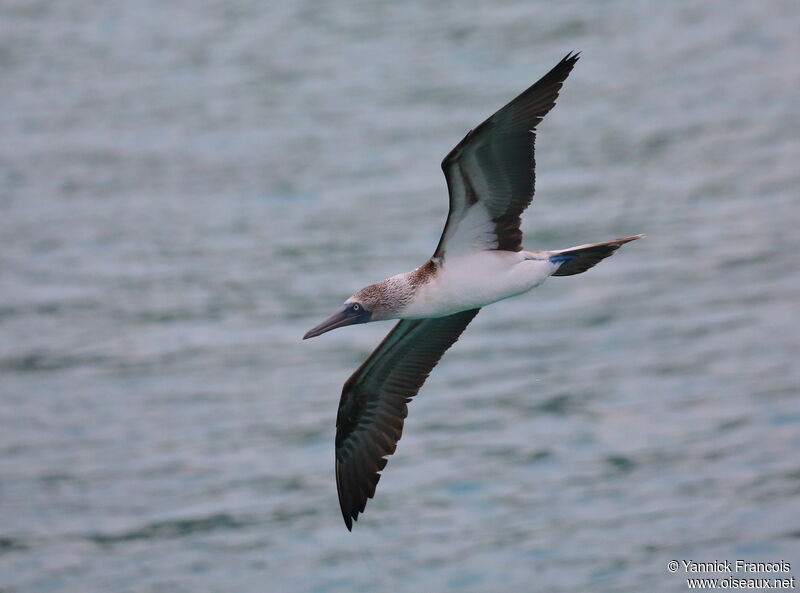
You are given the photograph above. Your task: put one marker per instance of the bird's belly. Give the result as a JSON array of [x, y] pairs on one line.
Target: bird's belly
[[476, 281]]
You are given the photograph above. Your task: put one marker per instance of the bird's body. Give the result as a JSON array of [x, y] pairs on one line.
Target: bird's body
[[479, 261], [474, 281]]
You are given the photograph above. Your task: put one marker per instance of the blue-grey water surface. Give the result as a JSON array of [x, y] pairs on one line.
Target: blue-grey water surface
[[187, 187]]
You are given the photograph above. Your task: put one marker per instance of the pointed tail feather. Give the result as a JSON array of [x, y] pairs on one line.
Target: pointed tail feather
[[576, 260]]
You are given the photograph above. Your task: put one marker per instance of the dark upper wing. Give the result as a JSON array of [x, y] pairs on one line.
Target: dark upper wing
[[493, 166], [373, 403]]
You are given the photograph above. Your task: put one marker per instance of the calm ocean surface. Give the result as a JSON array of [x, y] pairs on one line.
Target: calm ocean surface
[[187, 187]]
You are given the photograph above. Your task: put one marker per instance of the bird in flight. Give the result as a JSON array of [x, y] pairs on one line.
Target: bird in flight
[[479, 260]]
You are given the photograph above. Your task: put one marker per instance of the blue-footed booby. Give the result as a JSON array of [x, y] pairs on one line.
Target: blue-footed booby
[[479, 260]]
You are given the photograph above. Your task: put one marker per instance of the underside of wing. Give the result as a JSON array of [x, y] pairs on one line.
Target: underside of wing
[[490, 173], [374, 402]]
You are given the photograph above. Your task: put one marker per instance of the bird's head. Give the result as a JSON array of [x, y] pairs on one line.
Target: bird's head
[[371, 303]]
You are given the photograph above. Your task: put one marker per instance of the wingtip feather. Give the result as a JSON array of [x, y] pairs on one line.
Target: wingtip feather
[[624, 240]]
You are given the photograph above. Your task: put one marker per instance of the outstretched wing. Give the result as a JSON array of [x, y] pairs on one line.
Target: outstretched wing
[[374, 403], [490, 173]]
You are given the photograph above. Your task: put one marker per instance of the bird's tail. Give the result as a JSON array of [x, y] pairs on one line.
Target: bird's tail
[[576, 260]]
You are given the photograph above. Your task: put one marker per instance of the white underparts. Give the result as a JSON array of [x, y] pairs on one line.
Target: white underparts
[[476, 280]]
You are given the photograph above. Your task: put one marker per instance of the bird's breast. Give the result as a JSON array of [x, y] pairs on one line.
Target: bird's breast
[[475, 281]]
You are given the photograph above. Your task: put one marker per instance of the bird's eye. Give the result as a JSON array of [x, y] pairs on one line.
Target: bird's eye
[[356, 307]]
